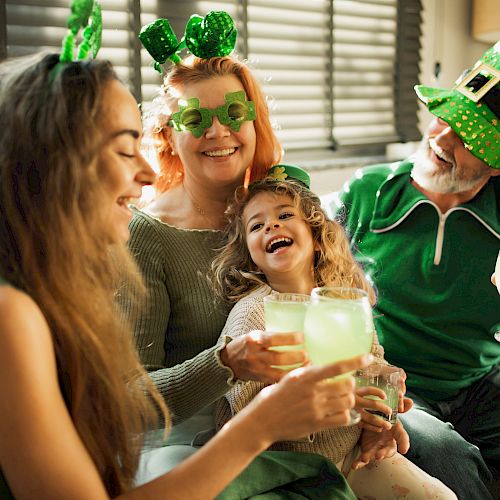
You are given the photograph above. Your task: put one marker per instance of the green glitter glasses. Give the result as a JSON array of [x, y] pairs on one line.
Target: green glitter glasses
[[233, 113]]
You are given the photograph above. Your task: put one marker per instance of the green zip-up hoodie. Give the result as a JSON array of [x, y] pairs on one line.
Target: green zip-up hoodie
[[439, 311]]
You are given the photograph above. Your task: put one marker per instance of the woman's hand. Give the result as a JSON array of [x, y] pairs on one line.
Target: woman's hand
[[305, 401], [376, 446], [250, 358]]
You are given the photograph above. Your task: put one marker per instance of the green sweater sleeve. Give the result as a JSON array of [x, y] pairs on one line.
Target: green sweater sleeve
[[177, 327]]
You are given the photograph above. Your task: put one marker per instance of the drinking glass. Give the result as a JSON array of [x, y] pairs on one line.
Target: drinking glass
[[338, 325], [386, 377], [285, 312]]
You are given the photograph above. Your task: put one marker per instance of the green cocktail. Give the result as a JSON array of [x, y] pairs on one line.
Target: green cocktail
[[386, 377], [338, 324], [285, 315], [285, 312]]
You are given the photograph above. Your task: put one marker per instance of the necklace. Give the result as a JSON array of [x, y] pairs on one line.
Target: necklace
[[212, 220], [197, 207]]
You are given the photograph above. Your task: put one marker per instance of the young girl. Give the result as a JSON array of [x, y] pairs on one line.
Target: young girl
[[279, 239]]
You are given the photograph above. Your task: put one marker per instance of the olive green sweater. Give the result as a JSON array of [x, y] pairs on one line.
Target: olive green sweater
[[179, 325]]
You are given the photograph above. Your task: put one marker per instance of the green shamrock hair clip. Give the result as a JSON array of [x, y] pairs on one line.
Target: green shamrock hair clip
[[211, 36], [233, 113]]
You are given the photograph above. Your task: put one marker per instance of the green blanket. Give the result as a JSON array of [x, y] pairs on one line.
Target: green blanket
[[287, 475]]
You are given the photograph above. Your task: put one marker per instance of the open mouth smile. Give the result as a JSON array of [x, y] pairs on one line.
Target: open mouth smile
[[218, 153], [279, 242], [440, 153]]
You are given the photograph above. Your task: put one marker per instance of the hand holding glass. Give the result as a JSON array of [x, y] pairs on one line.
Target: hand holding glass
[[338, 325], [385, 377]]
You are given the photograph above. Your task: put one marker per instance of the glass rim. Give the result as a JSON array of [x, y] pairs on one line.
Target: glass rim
[[302, 297], [357, 293]]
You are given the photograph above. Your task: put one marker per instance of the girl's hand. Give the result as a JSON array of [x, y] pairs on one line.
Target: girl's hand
[[250, 358], [369, 421], [304, 401], [377, 446]]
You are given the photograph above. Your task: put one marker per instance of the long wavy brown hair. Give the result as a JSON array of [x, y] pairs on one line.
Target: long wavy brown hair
[[236, 275], [55, 246], [268, 151]]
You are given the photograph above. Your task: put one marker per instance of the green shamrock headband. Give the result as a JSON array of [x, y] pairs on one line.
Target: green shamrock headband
[[233, 113], [82, 11], [211, 36], [289, 172]]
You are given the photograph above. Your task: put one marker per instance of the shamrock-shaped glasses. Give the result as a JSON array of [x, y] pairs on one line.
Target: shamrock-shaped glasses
[[233, 113]]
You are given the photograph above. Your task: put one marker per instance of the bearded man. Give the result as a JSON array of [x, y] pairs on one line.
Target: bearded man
[[427, 231]]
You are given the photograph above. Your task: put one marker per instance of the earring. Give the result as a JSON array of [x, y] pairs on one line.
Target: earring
[[173, 153]]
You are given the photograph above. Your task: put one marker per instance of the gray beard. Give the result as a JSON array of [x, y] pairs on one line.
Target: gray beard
[[425, 174]]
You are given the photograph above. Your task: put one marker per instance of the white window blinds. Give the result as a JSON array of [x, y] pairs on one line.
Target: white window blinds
[[34, 25], [288, 44], [338, 74]]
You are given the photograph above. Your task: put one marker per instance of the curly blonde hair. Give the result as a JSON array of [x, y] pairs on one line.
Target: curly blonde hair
[[236, 275], [268, 151]]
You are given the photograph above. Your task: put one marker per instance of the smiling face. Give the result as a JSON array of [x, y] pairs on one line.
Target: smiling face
[[221, 155], [443, 164], [279, 240], [122, 168]]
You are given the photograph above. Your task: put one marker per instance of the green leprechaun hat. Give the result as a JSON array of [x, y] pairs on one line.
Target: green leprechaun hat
[[472, 107], [283, 172]]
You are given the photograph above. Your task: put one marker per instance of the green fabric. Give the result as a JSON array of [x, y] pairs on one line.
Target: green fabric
[[437, 313], [294, 476], [177, 332]]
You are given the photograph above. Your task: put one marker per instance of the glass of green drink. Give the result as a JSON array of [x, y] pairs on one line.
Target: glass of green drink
[[338, 325], [386, 377], [285, 312]]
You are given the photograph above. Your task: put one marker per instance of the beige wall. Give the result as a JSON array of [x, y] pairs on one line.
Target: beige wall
[[447, 28], [446, 37]]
